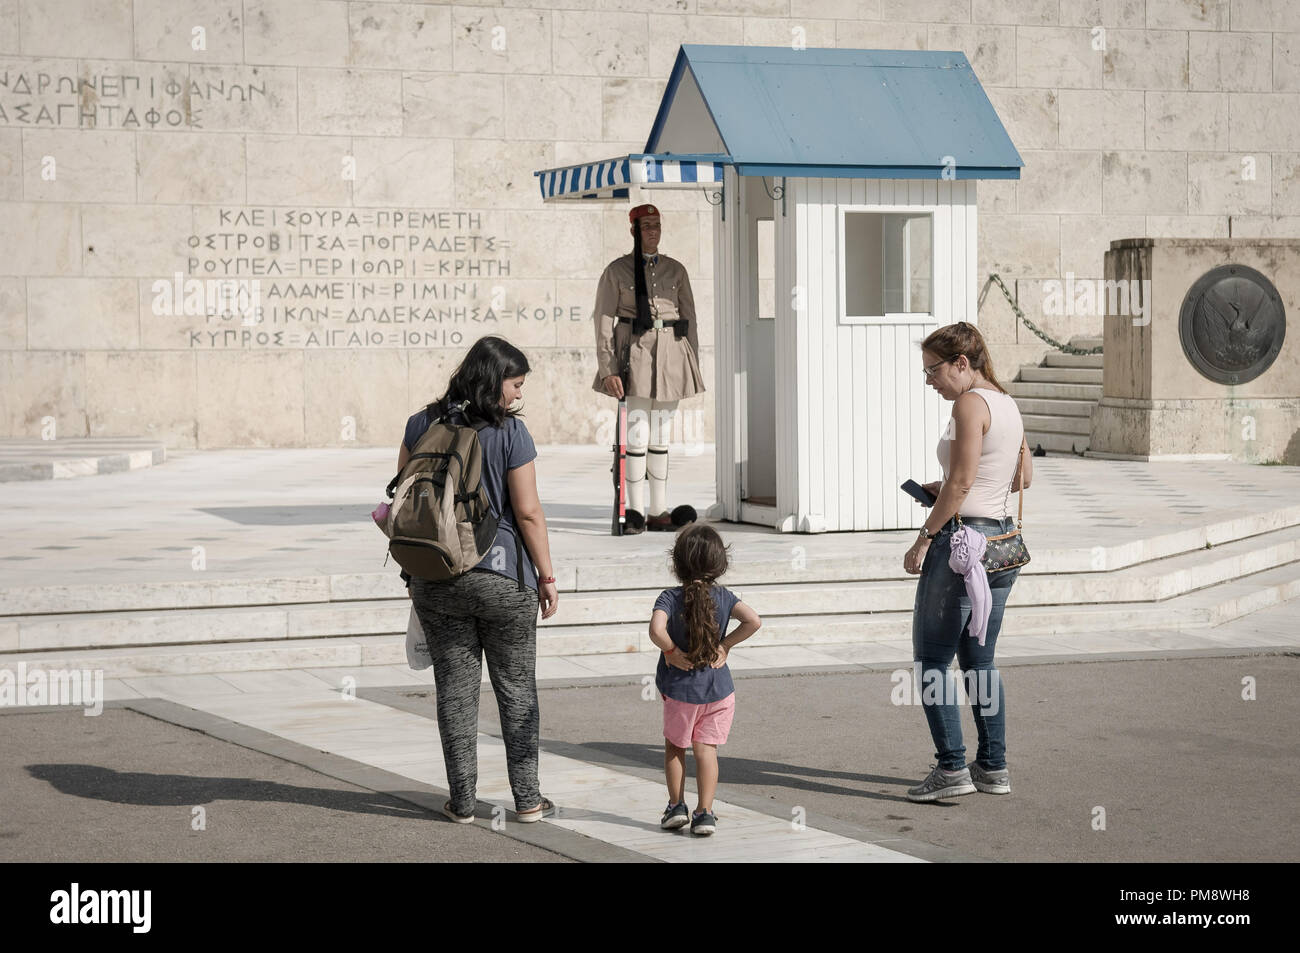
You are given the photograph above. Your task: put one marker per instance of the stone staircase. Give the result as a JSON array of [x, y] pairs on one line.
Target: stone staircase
[[1186, 580], [1056, 398]]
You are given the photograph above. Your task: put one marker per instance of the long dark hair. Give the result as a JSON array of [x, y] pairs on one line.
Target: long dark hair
[[699, 558], [643, 321], [953, 340], [479, 379]]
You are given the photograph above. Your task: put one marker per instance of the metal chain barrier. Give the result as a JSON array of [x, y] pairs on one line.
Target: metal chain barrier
[[1068, 349]]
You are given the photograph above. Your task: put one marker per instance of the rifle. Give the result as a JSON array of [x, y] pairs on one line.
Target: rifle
[[619, 518]]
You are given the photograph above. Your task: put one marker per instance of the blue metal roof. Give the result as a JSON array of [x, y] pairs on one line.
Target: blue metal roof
[[823, 112]]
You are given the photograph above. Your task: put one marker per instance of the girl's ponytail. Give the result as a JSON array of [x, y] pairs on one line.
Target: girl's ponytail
[[699, 557], [701, 623]]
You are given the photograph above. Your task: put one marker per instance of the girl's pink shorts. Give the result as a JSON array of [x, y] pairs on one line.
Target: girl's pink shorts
[[709, 724]]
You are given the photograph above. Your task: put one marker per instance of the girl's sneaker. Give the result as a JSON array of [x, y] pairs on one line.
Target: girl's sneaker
[[675, 816], [704, 823], [990, 781]]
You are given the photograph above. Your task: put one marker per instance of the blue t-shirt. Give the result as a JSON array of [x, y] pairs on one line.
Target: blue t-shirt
[[504, 448], [702, 685]]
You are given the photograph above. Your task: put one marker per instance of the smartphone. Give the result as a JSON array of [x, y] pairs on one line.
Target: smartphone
[[919, 493]]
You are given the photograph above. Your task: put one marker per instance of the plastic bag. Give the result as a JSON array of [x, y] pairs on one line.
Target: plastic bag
[[417, 644]]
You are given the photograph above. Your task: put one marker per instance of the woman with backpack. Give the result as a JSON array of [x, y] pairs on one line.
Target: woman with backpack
[[985, 458], [492, 609]]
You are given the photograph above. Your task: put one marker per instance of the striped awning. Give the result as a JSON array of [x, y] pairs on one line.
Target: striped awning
[[610, 179]]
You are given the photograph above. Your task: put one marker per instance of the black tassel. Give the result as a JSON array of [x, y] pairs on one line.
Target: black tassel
[[642, 322]]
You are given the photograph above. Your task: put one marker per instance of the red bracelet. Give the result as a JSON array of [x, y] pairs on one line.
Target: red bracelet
[[547, 579], [670, 650]]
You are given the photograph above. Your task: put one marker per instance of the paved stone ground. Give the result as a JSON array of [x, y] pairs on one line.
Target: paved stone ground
[[1185, 769], [123, 786]]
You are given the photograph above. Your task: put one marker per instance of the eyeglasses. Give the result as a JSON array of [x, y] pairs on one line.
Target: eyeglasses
[[929, 371]]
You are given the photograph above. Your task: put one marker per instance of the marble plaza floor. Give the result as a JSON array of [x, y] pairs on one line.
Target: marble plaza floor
[[261, 514]]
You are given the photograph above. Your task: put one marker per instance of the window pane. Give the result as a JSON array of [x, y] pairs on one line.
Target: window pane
[[887, 262], [766, 269]]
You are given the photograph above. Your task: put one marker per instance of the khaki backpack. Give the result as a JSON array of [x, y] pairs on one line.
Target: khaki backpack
[[440, 523]]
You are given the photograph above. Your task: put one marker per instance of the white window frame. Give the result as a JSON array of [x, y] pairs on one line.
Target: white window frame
[[905, 317]]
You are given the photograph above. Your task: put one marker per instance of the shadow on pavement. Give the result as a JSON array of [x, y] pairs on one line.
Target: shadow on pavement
[[737, 771], [135, 787]]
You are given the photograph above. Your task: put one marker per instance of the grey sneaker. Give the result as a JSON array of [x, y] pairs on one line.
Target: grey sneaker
[[988, 781], [942, 784], [704, 823], [675, 816]]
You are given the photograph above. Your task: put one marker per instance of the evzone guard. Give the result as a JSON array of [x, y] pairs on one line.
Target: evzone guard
[[646, 353]]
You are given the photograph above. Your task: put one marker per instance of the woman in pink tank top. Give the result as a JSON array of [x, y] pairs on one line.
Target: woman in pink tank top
[[979, 452]]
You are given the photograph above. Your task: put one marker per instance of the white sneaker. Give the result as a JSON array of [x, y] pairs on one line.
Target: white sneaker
[[942, 784], [990, 782]]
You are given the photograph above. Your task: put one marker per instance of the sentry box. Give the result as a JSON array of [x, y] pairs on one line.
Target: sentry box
[[844, 232]]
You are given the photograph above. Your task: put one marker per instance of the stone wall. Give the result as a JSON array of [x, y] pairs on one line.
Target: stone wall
[[370, 165]]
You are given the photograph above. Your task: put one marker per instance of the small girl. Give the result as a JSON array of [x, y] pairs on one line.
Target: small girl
[[688, 626]]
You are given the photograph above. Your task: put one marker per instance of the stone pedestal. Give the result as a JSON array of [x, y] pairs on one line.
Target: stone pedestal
[[1157, 402]]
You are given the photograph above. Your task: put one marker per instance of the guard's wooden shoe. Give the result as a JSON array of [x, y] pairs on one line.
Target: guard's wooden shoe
[[633, 523], [663, 523]]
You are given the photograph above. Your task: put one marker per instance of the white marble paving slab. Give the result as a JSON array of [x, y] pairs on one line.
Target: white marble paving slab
[[115, 689], [745, 656], [599, 802], [618, 663], [372, 676], [1029, 645], [558, 666], [1237, 638], [869, 653], [180, 685], [275, 680]]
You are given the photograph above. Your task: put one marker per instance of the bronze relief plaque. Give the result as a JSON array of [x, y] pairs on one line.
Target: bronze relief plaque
[[1232, 324]]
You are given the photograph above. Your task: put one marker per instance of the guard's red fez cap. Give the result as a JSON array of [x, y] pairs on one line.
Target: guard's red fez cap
[[640, 211]]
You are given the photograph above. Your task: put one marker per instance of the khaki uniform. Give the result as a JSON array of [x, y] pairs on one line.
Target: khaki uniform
[[661, 366]]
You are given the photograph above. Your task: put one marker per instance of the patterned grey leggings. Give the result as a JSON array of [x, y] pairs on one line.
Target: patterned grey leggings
[[476, 614]]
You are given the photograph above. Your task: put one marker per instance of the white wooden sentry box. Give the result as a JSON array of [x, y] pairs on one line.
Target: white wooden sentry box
[[845, 231]]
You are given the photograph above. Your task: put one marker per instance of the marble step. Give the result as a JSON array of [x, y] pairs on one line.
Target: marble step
[[1146, 582], [1194, 611], [1044, 423], [1058, 408], [23, 459], [1060, 375], [1061, 359], [1054, 391], [1057, 442], [211, 591], [1085, 342]]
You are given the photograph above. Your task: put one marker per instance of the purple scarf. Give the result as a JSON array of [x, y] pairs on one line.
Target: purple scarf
[[967, 548]]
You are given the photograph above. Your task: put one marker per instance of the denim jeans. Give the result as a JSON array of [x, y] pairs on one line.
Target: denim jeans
[[940, 624]]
